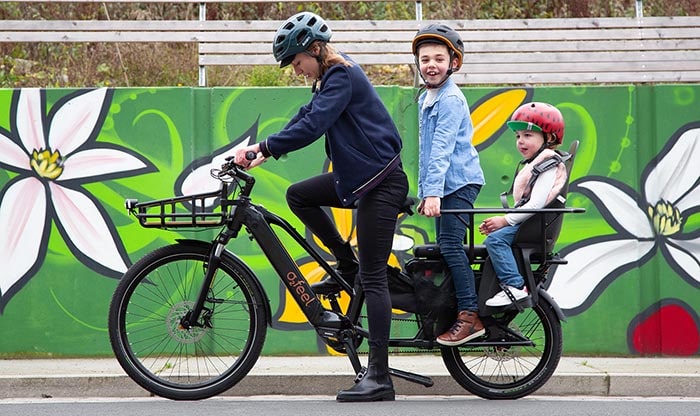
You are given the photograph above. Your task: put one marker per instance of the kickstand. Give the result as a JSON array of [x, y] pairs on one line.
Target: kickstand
[[360, 371]]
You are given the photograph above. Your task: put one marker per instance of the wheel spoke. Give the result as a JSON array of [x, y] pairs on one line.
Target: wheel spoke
[[204, 358], [509, 370]]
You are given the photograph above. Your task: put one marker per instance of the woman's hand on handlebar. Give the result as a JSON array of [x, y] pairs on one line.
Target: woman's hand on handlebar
[[249, 157]]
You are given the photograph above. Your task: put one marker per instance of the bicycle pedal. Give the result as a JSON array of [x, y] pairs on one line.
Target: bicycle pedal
[[361, 374]]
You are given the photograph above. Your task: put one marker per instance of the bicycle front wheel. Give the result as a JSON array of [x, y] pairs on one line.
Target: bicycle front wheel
[[510, 370], [204, 359]]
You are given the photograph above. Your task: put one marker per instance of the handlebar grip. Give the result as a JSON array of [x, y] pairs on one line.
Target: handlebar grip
[[130, 203], [251, 155]]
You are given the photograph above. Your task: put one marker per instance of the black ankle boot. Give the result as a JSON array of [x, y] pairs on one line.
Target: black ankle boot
[[376, 383]]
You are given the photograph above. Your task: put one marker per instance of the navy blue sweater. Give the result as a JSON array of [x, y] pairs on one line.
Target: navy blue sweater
[[361, 138]]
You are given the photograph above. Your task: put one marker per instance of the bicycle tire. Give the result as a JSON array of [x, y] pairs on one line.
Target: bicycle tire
[[186, 364], [510, 372]]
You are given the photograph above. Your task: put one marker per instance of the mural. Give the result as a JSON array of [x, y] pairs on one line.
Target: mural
[[68, 159], [53, 152]]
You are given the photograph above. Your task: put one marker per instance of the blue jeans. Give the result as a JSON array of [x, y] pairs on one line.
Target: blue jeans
[[499, 245], [450, 237]]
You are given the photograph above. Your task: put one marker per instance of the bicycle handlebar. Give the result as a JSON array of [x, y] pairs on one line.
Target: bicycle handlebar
[[234, 170]]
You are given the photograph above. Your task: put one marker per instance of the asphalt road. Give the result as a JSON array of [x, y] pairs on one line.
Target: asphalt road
[[325, 405]]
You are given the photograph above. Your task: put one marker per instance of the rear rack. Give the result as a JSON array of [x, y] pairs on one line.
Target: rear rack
[[181, 212]]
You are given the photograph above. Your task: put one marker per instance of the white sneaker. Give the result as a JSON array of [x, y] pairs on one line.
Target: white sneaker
[[501, 299]]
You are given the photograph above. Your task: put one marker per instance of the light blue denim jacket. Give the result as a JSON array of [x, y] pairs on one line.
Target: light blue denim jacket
[[447, 159]]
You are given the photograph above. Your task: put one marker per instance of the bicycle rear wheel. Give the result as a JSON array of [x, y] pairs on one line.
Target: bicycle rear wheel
[[510, 371], [203, 360]]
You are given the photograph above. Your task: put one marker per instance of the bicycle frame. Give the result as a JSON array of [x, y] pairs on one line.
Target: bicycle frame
[[340, 329], [259, 221]]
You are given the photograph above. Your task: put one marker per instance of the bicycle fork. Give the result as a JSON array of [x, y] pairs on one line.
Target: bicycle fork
[[192, 318]]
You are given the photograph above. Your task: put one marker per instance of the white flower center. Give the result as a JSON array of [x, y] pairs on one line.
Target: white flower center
[[47, 164], [665, 217]]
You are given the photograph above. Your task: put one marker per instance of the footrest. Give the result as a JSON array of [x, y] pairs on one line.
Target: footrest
[[519, 305]]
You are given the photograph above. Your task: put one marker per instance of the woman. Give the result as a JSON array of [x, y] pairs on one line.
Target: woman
[[364, 146]]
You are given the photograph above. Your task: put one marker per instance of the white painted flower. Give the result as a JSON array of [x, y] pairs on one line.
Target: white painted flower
[[644, 224], [196, 177], [51, 154]]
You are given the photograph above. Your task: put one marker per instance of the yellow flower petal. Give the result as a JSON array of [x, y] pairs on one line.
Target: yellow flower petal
[[490, 116]]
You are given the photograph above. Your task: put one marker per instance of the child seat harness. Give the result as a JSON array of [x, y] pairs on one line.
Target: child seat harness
[[537, 170]]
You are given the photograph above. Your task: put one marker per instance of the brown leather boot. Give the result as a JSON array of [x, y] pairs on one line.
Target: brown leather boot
[[467, 327]]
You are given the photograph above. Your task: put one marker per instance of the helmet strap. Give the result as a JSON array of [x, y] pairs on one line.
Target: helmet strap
[[420, 91], [449, 72], [319, 60], [550, 140], [537, 153], [439, 84]]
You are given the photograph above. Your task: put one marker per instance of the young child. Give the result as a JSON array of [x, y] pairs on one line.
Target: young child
[[449, 172], [539, 129]]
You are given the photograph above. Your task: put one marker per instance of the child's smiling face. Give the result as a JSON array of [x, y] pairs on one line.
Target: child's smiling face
[[529, 142], [433, 62]]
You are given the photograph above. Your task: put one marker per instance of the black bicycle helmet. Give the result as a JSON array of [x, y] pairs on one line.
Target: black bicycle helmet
[[296, 34], [439, 33]]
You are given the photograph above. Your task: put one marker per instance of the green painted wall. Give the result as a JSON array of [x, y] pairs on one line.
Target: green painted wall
[[631, 286]]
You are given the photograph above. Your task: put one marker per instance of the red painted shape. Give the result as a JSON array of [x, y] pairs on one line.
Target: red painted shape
[[671, 330]]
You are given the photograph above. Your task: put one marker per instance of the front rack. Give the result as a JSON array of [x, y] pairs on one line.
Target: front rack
[[181, 212]]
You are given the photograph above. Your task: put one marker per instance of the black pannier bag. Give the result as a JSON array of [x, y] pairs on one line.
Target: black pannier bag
[[403, 295], [428, 292]]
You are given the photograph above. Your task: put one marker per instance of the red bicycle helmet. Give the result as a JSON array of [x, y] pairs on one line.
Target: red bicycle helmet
[[538, 117]]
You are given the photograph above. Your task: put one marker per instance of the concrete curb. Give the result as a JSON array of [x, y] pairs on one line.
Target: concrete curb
[[326, 375], [295, 385]]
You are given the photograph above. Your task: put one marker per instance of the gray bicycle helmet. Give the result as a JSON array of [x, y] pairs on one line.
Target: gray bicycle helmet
[[296, 34], [439, 33]]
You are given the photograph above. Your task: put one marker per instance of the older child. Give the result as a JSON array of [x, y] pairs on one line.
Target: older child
[[539, 129], [449, 172]]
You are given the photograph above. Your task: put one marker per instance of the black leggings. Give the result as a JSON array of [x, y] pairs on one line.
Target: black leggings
[[377, 213]]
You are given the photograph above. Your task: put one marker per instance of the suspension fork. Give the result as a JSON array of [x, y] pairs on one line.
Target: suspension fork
[[191, 318]]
